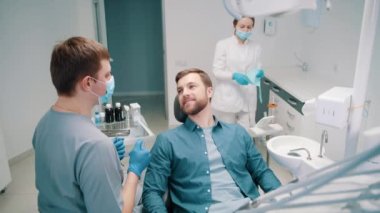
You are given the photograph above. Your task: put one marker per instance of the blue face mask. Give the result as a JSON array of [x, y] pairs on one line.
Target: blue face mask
[[243, 35], [110, 86]]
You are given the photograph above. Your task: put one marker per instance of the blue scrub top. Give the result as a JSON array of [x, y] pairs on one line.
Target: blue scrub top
[[77, 168]]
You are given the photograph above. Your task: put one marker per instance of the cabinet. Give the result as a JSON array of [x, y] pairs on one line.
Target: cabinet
[[288, 114]]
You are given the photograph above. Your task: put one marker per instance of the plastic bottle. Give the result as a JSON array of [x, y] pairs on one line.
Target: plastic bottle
[[102, 119], [97, 119], [118, 112], [127, 117], [135, 111], [109, 117]]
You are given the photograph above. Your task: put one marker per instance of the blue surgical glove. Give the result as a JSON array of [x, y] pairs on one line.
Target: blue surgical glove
[[118, 142], [260, 73], [240, 78], [139, 158], [255, 76]]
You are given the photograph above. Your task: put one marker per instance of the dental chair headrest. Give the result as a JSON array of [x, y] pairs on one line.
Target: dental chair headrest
[[178, 113]]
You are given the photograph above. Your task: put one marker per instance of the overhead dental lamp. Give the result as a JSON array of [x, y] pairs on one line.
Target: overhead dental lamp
[[239, 8]]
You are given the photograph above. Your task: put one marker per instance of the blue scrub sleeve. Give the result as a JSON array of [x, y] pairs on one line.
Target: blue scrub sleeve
[[99, 178]]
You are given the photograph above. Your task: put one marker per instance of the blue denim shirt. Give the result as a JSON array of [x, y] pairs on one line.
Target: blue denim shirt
[[180, 164]]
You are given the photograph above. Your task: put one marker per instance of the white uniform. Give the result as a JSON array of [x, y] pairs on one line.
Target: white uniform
[[233, 102]]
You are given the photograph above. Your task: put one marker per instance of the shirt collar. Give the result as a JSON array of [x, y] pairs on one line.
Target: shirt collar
[[191, 125]]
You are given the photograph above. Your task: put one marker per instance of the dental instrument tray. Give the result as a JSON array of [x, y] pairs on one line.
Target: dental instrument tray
[[115, 129]]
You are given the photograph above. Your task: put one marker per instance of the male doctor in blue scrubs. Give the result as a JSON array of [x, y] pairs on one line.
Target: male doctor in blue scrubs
[[77, 166], [204, 164]]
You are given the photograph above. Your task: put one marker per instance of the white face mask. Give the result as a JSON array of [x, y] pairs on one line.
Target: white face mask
[[110, 86]]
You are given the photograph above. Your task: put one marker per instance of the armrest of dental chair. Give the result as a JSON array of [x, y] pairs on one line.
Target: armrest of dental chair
[[178, 113]]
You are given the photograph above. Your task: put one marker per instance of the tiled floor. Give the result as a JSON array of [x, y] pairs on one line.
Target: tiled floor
[[21, 195]]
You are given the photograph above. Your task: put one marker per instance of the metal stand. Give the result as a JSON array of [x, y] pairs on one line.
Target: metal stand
[[267, 152], [266, 133]]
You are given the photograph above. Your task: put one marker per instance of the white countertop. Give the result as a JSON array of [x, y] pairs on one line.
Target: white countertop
[[302, 85]]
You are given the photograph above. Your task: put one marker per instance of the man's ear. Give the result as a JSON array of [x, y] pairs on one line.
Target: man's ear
[[85, 83], [210, 92]]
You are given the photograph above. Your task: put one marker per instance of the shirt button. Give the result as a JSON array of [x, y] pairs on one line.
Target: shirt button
[[207, 172], [202, 136], [205, 153], [208, 190], [197, 127], [206, 208]]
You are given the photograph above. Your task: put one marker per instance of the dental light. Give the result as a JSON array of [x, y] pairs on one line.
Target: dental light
[[239, 8]]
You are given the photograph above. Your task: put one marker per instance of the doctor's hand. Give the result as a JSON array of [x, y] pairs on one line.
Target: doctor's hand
[[240, 78], [255, 76], [259, 73], [118, 142], [139, 158]]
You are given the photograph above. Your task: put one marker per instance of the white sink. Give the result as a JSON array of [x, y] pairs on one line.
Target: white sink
[[292, 153]]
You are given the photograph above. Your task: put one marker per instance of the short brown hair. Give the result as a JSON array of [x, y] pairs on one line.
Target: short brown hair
[[235, 21], [204, 77], [74, 59]]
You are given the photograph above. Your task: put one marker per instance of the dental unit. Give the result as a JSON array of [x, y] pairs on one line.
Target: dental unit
[[352, 182]]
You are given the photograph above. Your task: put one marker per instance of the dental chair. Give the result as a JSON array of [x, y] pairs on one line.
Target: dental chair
[[178, 113]]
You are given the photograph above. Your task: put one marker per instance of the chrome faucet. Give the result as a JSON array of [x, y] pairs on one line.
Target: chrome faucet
[[299, 149], [324, 139]]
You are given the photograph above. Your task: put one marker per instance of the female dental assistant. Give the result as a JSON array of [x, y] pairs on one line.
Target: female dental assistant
[[235, 98]]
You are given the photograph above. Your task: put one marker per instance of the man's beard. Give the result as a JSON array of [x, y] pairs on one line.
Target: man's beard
[[198, 106]]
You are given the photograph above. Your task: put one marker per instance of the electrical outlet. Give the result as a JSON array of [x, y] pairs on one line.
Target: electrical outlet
[[269, 26]]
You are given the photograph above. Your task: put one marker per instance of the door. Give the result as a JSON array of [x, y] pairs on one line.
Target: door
[[135, 41]]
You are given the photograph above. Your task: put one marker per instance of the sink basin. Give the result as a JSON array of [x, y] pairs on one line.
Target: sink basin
[[297, 154]]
